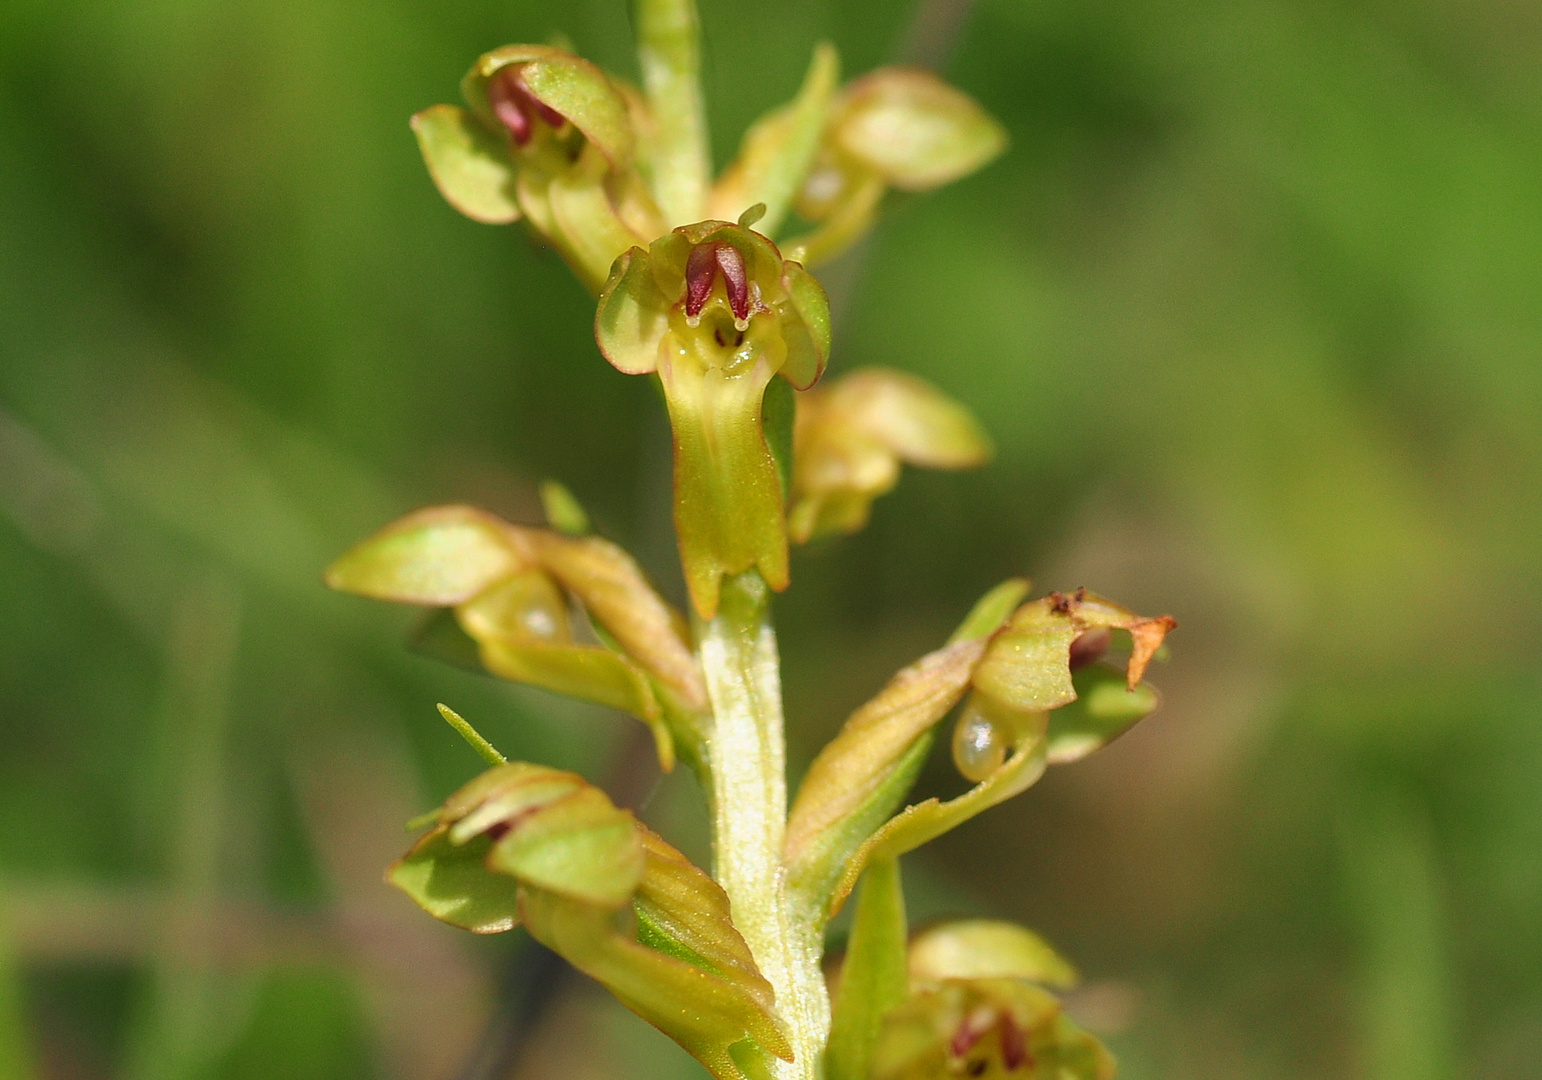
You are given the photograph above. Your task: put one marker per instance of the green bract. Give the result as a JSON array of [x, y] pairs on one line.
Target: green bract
[[716, 311], [694, 292]]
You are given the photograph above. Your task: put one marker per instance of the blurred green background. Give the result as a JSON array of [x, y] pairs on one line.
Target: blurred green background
[[1253, 307]]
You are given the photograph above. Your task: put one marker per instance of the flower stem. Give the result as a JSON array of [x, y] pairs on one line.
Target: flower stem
[[669, 53], [749, 799]]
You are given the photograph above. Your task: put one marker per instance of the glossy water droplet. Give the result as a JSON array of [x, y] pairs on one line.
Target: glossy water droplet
[[979, 744]]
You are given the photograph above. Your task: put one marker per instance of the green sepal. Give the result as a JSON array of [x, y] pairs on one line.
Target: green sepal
[[632, 316], [1105, 708], [519, 823], [470, 165], [565, 83], [453, 884], [778, 414], [913, 129], [987, 949], [805, 327], [873, 976], [777, 150], [440, 556], [1027, 668], [580, 847]]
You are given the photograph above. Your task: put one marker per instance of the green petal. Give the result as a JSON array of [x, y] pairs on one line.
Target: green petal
[[987, 949], [440, 556], [452, 883], [633, 315], [915, 129], [470, 165], [805, 327]]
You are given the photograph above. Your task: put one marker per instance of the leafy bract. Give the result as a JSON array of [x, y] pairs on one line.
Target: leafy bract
[[864, 773]]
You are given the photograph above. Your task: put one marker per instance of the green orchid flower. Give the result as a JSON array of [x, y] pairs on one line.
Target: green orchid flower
[[717, 313]]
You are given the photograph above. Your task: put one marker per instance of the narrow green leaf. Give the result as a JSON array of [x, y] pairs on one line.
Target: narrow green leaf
[[874, 977], [470, 165]]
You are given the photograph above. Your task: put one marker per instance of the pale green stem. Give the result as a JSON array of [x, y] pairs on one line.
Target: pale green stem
[[669, 53], [749, 799]]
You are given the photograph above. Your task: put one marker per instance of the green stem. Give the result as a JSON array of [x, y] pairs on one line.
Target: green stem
[[669, 52], [749, 799]]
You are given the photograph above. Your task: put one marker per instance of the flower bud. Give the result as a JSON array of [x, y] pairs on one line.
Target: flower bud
[[851, 436]]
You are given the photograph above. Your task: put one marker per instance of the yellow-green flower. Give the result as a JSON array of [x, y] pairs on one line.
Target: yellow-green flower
[[716, 312]]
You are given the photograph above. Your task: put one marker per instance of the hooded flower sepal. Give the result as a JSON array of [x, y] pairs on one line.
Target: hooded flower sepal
[[1015, 667], [716, 311], [851, 436], [527, 845], [895, 127], [529, 598], [546, 136]]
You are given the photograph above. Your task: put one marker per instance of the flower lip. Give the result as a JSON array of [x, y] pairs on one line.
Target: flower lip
[[517, 108], [702, 267]]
